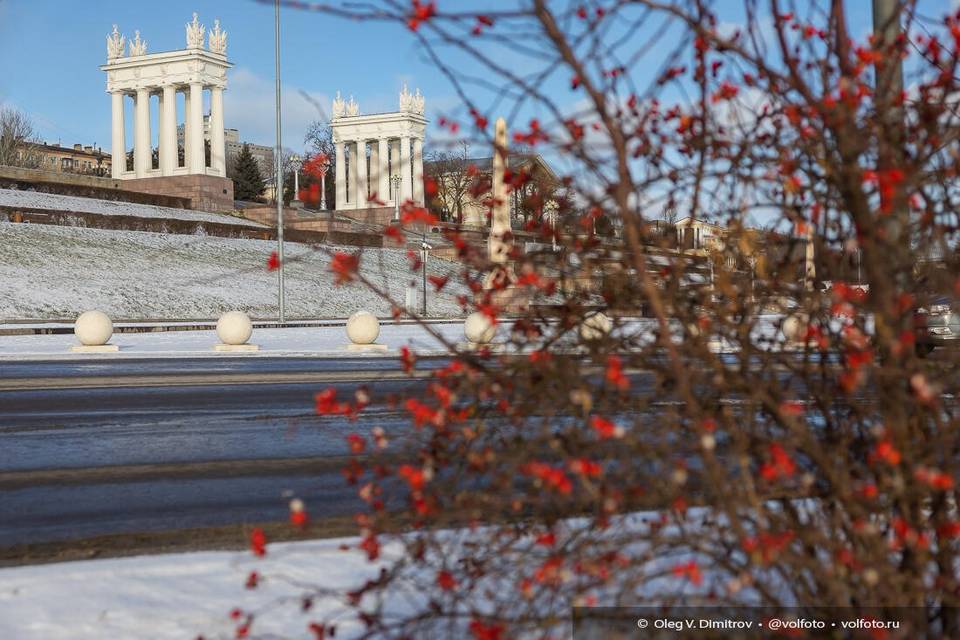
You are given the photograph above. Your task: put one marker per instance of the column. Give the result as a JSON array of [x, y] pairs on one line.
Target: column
[[141, 139], [418, 171], [351, 183], [341, 177], [218, 147], [361, 173], [383, 171], [194, 145], [373, 176], [118, 145], [168, 130], [186, 129], [405, 178], [394, 165]]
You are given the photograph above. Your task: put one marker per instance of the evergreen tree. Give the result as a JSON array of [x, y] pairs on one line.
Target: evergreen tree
[[247, 181]]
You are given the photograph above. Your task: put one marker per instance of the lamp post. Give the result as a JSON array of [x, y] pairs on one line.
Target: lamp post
[[424, 254], [296, 163], [396, 197], [551, 218], [278, 169], [323, 181]]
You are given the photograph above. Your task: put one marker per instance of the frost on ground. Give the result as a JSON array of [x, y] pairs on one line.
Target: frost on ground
[[50, 272], [175, 596], [184, 595], [57, 202]]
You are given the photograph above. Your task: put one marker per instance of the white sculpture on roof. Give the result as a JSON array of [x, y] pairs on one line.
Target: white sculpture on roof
[[115, 44], [343, 109], [411, 103], [138, 47], [218, 39], [195, 33]]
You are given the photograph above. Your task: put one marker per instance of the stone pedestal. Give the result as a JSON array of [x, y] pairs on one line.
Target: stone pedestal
[[206, 193], [95, 348], [368, 348], [236, 348]]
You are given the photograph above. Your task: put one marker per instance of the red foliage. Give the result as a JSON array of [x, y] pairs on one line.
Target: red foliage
[[413, 475], [344, 267], [605, 428], [253, 579], [615, 375], [420, 13], [780, 465], [273, 262], [446, 581], [407, 359], [553, 477], [258, 542], [690, 571], [482, 631]]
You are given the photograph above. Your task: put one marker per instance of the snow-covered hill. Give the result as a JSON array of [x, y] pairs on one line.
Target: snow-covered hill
[[50, 272]]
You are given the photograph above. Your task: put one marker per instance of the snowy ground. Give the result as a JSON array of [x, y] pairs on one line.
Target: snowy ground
[[319, 341], [175, 596], [300, 341], [56, 202], [49, 272]]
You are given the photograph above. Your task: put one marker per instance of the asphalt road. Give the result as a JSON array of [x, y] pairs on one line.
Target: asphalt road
[[146, 445], [121, 446]]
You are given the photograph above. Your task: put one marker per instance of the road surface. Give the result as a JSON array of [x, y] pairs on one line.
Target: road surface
[[91, 448]]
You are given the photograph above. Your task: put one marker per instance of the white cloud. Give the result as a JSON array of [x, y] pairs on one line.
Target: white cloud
[[249, 106]]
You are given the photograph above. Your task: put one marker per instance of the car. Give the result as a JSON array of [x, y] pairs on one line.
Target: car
[[937, 324]]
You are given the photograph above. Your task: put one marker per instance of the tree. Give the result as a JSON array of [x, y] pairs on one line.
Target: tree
[[247, 181], [319, 142], [752, 440], [453, 177], [17, 140]]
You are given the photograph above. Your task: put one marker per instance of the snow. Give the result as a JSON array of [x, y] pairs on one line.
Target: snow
[[185, 595], [325, 341], [178, 595], [292, 341], [57, 202], [56, 273]]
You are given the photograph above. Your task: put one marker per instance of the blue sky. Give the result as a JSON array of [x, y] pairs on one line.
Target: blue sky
[[50, 51]]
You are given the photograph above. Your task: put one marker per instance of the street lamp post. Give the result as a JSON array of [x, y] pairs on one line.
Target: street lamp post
[[278, 169], [323, 184], [424, 254], [396, 197], [296, 163]]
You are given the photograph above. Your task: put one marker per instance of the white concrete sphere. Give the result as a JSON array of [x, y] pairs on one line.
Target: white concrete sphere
[[363, 328], [234, 327], [93, 328], [595, 327], [478, 328], [794, 326]]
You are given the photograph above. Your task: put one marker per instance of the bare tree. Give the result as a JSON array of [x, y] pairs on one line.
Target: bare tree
[[453, 179], [17, 139], [747, 438]]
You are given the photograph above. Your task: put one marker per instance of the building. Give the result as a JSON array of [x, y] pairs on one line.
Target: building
[[232, 146], [379, 156], [199, 69], [86, 160], [463, 188], [700, 235]]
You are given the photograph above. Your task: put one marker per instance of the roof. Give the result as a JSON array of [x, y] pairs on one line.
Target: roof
[[485, 163]]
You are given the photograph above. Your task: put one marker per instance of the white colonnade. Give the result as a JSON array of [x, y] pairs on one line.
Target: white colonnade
[[373, 151], [189, 72]]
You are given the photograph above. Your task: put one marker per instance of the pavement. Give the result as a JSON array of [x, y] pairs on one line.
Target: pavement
[[102, 450], [329, 340]]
